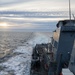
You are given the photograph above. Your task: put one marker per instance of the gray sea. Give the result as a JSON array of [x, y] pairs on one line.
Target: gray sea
[[16, 50], [10, 40]]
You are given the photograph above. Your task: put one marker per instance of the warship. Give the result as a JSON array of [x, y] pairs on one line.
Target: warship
[[51, 58]]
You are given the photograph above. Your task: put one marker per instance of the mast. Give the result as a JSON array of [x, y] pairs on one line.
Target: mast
[[70, 9]]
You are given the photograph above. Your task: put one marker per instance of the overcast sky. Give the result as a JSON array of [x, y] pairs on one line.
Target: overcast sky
[[55, 10], [35, 5]]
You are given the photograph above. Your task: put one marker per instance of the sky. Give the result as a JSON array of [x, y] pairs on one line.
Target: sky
[[35, 4], [33, 14]]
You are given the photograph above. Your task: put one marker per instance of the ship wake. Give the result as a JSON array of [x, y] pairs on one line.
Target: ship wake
[[20, 63]]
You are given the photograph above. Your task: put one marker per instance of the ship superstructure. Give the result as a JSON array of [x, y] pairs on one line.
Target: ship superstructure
[[51, 58]]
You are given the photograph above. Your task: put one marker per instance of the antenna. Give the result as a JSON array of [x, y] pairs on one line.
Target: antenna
[[70, 9], [73, 16]]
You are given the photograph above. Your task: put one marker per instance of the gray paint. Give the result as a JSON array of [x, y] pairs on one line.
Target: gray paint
[[63, 44], [72, 60]]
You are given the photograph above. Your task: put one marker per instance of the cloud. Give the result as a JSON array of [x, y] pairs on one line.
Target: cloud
[[35, 5], [31, 20], [8, 2], [19, 14]]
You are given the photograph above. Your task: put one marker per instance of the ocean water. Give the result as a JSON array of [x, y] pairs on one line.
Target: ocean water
[[10, 40], [16, 50]]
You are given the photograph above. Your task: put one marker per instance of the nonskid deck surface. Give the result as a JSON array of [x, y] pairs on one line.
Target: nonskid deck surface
[[38, 71], [39, 60]]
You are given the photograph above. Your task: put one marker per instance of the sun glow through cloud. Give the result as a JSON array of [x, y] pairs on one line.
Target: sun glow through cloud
[[33, 14], [4, 25]]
